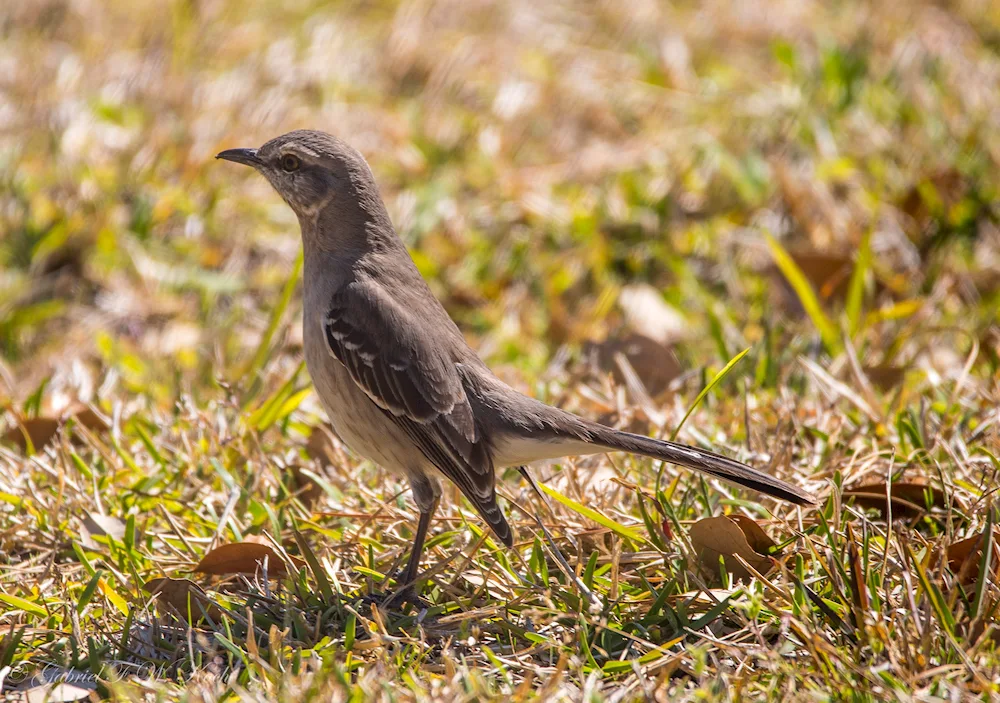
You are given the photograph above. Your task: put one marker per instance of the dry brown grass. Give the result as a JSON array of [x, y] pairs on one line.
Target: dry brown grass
[[576, 180]]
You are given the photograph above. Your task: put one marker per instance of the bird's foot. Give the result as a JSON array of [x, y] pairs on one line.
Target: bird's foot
[[396, 601]]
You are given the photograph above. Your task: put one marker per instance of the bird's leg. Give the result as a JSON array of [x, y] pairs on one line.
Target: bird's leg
[[413, 565], [426, 493]]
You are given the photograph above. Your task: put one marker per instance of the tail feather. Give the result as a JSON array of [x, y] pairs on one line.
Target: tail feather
[[699, 460], [493, 516]]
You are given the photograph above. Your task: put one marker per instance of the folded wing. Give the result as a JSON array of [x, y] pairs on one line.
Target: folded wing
[[393, 359]]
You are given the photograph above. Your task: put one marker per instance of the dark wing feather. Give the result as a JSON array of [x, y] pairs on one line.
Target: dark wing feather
[[397, 363]]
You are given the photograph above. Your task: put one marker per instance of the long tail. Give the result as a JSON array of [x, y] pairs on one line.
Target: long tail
[[699, 460]]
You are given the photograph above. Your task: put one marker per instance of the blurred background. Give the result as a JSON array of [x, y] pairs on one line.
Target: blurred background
[[576, 179], [613, 200]]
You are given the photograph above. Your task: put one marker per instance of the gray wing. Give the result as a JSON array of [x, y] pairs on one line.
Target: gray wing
[[396, 361]]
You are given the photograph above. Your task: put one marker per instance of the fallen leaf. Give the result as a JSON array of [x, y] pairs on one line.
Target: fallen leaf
[[306, 490], [42, 430], [95, 524], [655, 364], [244, 558], [90, 418], [908, 498], [885, 377], [931, 199], [179, 593], [109, 525], [758, 540], [726, 537], [650, 315], [965, 556], [829, 274], [320, 446]]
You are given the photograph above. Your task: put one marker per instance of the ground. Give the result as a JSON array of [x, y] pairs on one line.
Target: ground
[[614, 201]]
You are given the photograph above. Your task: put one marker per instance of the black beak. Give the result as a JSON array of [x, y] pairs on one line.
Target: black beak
[[247, 157]]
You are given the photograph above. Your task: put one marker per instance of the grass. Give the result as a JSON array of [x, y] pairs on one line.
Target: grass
[[611, 200]]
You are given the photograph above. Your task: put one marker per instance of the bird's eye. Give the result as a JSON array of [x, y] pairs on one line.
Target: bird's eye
[[290, 162]]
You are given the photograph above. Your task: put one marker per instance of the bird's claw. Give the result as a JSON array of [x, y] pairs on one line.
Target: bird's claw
[[396, 600]]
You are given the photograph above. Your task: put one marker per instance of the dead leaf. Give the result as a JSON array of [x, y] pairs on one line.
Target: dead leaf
[[244, 558], [90, 418], [42, 430], [179, 593], [726, 537], [908, 499], [758, 540], [965, 556], [885, 377], [95, 524], [931, 199], [98, 524], [320, 446], [655, 364], [829, 274], [650, 315], [306, 489]]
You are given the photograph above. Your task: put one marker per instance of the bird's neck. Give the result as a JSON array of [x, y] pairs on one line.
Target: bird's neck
[[342, 244]]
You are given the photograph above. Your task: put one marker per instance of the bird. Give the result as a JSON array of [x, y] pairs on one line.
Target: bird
[[399, 382]]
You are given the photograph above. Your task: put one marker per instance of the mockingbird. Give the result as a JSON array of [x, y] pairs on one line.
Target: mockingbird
[[400, 384]]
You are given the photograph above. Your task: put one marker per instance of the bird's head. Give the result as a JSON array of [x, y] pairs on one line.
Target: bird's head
[[310, 170]]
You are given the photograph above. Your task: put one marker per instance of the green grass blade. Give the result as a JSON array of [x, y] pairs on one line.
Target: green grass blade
[[856, 289], [945, 617], [707, 389], [985, 566], [807, 296], [318, 572], [264, 348], [22, 604], [591, 514]]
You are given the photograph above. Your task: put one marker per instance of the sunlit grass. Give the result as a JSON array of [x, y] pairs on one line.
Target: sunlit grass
[[817, 185]]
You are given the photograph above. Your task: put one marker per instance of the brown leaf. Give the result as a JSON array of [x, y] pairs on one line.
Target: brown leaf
[[42, 430], [829, 274], [932, 198], [101, 526], [758, 540], [306, 489], [729, 536], [655, 364], [965, 556], [90, 418], [244, 558], [320, 446], [885, 377], [179, 593], [908, 498]]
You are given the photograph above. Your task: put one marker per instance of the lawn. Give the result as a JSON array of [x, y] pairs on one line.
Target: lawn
[[770, 229]]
